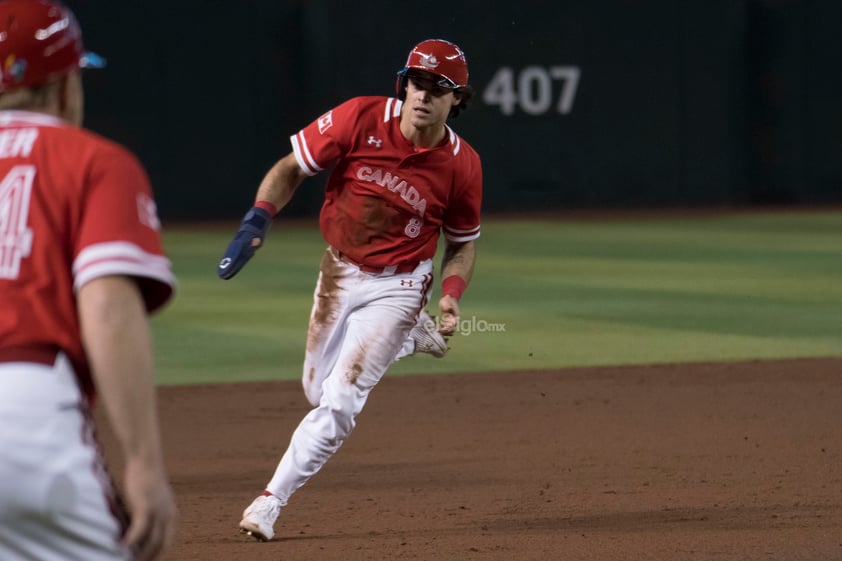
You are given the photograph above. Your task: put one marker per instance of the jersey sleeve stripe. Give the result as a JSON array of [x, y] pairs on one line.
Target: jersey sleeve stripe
[[120, 258], [460, 239], [459, 236], [302, 154], [393, 109], [457, 231]]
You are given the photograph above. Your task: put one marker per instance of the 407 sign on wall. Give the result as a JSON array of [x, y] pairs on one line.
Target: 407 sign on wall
[[535, 90]]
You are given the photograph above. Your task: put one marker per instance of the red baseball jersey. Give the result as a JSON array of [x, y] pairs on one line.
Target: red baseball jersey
[[73, 207], [386, 202]]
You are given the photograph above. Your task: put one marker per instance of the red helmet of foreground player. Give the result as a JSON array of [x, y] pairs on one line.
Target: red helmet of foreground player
[[39, 40], [441, 58]]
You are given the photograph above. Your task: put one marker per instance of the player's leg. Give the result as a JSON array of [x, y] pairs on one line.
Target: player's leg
[[326, 327], [357, 326], [373, 335], [383, 314], [325, 333], [378, 312]]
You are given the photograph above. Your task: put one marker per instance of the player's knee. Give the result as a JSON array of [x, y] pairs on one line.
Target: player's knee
[[313, 392], [312, 385], [343, 397], [314, 397]]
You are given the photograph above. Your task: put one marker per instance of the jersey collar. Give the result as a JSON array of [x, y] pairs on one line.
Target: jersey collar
[[17, 116]]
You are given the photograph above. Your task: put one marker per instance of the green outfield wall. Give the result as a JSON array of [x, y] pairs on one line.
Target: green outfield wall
[[579, 104]]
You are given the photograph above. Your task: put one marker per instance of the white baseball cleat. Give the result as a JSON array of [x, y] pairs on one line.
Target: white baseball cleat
[[260, 516], [426, 337]]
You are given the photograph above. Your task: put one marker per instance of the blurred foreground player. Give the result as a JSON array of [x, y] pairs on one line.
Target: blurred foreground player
[[81, 265]]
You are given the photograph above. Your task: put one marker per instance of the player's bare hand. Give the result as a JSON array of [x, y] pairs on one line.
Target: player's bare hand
[[448, 315], [152, 511]]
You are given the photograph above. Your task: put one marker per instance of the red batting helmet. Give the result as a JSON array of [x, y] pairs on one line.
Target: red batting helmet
[[440, 58], [39, 40]]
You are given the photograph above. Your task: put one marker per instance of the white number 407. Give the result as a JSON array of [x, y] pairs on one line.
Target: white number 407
[[533, 89]]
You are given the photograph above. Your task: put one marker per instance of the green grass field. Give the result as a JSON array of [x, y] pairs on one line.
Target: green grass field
[[546, 294]]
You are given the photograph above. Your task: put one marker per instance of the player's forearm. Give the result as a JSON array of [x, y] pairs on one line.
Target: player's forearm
[[116, 335], [459, 259], [280, 182]]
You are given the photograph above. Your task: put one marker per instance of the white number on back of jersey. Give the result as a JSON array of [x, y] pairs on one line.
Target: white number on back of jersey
[[15, 235]]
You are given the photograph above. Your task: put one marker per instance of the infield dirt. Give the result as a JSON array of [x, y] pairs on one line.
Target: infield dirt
[[676, 462]]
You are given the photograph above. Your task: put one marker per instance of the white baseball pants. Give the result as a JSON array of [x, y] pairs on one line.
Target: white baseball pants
[[358, 326], [56, 500]]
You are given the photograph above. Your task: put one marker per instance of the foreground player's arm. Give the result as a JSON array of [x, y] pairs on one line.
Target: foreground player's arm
[[457, 268], [274, 192], [116, 336]]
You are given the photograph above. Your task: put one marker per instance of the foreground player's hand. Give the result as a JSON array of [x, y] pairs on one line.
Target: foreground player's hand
[[448, 315], [248, 239], [152, 511]]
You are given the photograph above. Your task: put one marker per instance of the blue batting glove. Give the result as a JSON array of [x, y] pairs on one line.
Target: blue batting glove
[[248, 239]]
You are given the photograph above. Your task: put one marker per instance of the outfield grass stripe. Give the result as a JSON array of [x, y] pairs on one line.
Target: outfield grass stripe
[[546, 294]]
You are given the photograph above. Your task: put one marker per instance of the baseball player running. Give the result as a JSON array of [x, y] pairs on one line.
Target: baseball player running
[[81, 264], [400, 176]]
